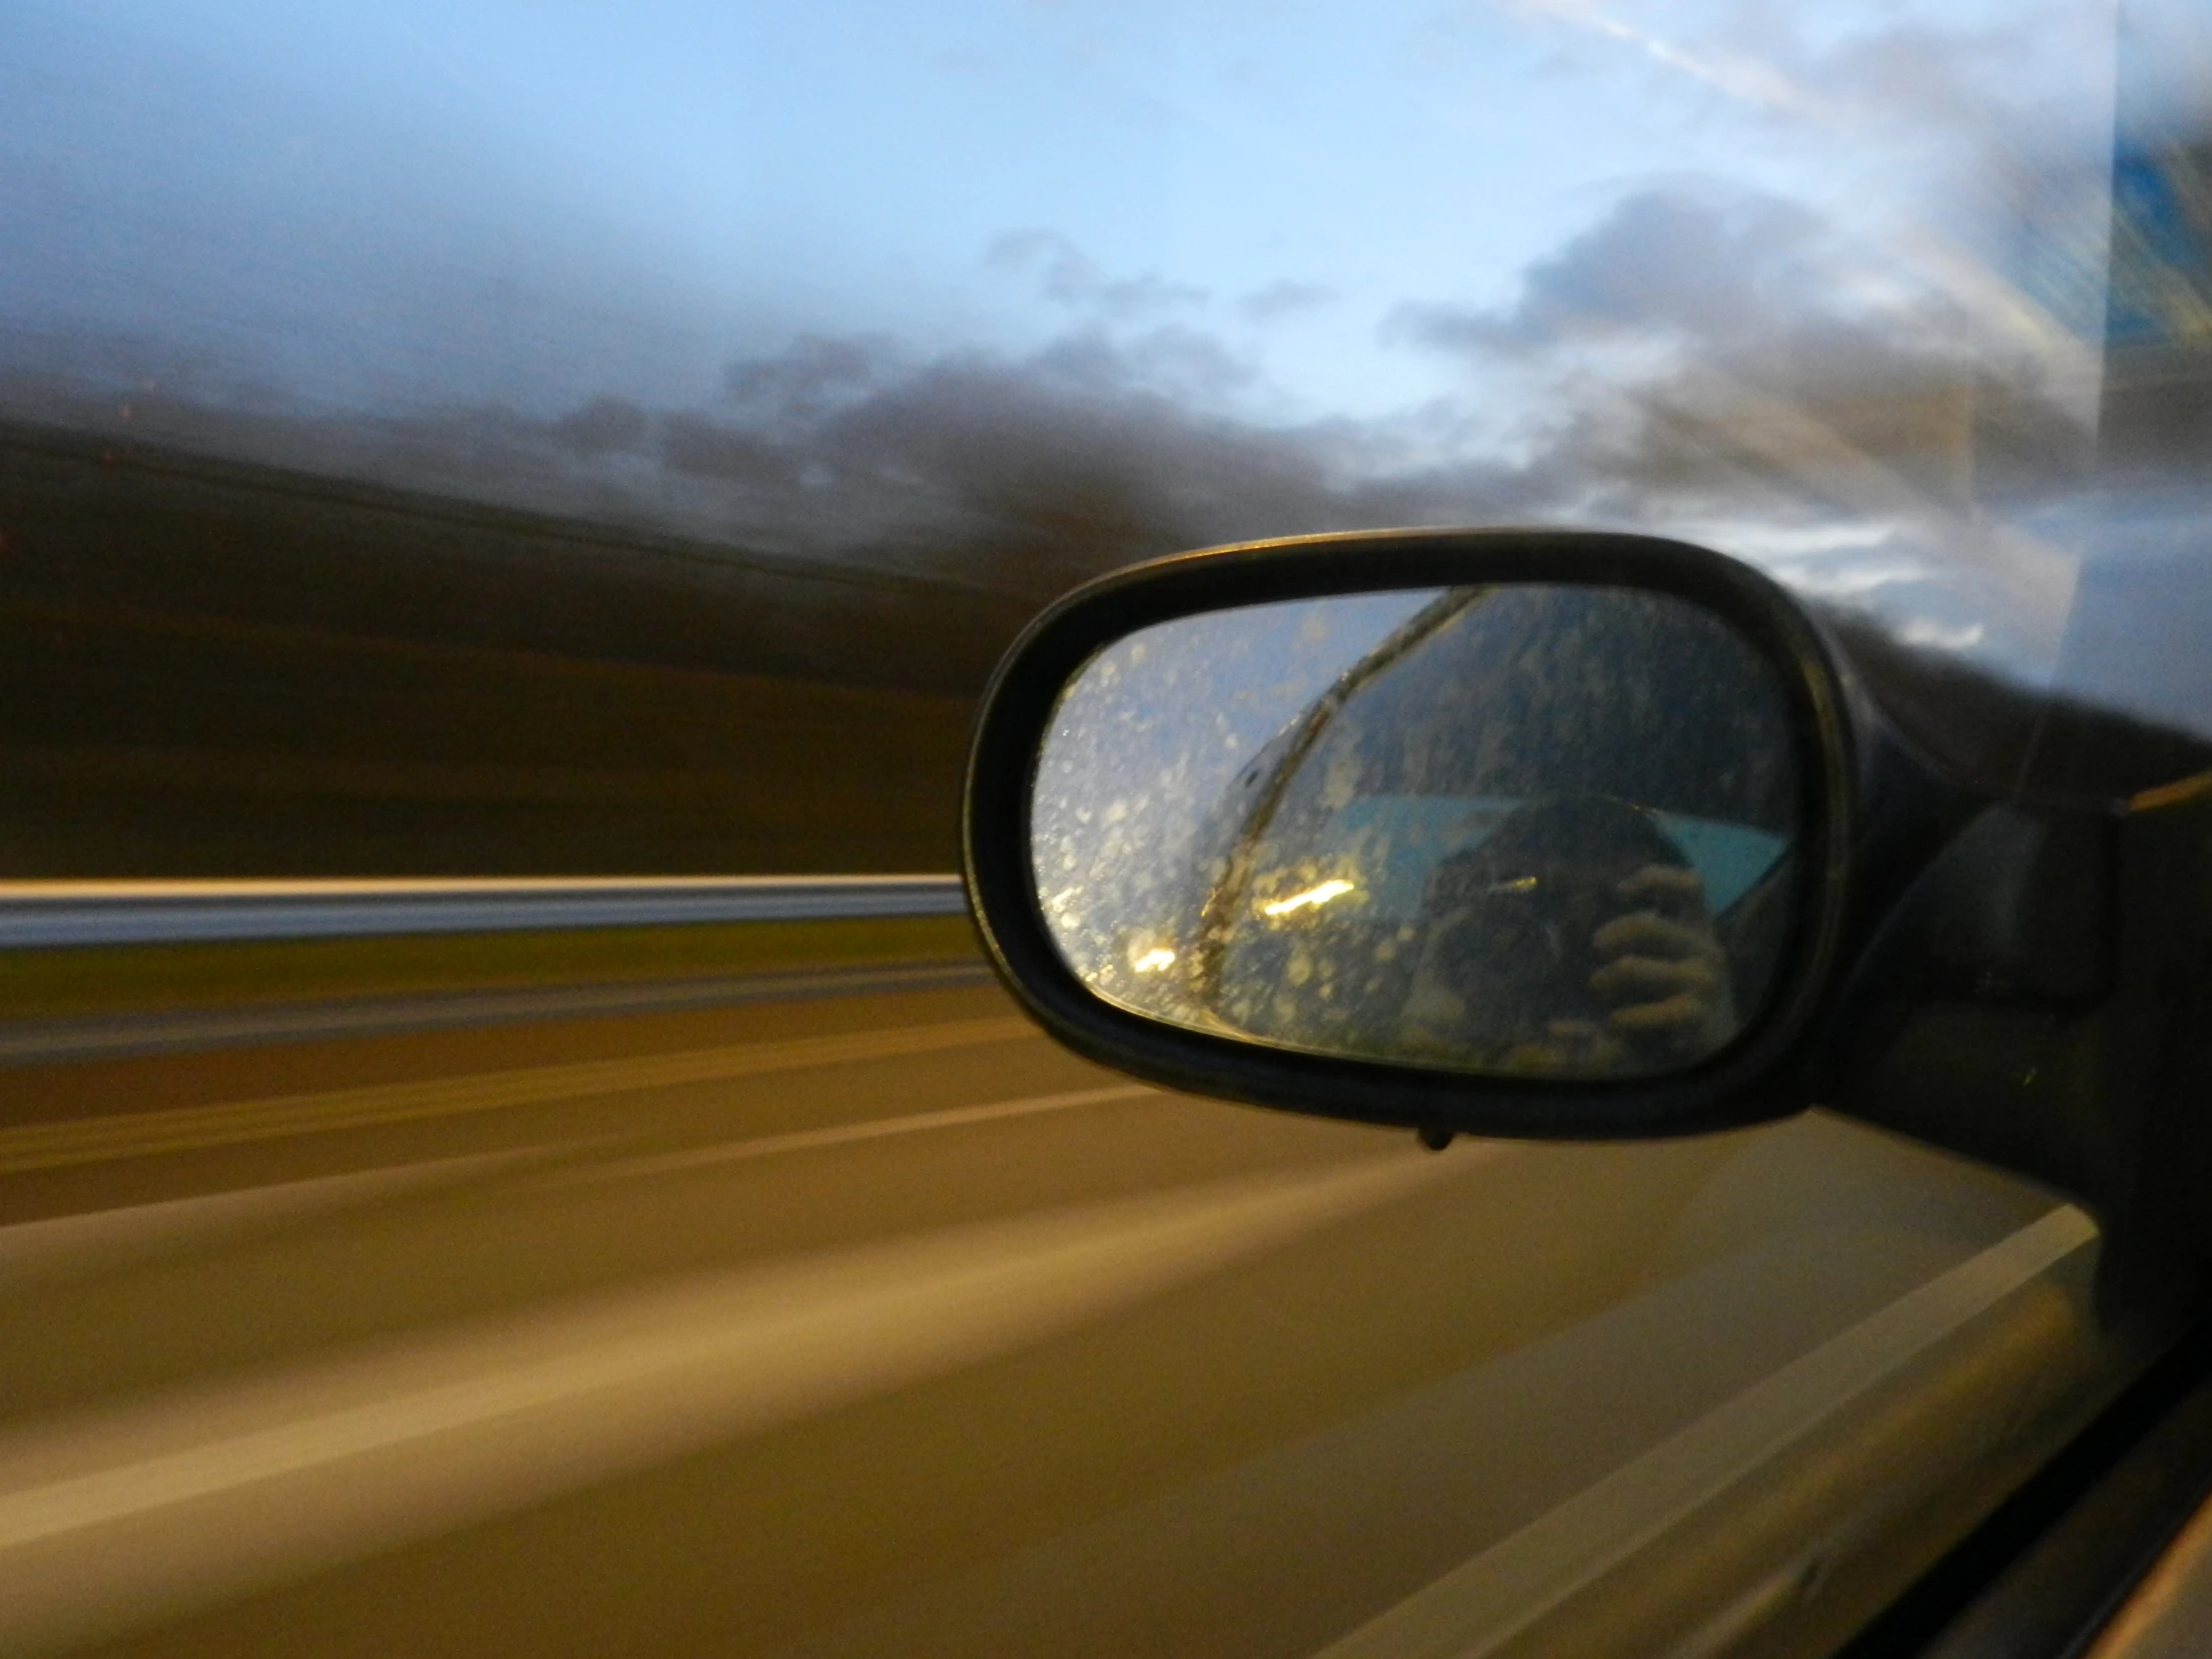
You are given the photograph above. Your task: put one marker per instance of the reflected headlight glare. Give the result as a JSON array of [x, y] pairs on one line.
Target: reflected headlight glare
[[1321, 894], [1152, 961]]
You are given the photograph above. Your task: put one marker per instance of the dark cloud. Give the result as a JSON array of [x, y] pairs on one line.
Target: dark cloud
[[604, 425], [1730, 366], [1283, 298], [1015, 473], [1661, 263], [1174, 361], [1694, 356], [1737, 336], [1092, 452], [698, 446], [811, 375], [1070, 277]]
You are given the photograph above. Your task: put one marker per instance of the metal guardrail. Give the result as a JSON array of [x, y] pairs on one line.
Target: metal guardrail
[[52, 914]]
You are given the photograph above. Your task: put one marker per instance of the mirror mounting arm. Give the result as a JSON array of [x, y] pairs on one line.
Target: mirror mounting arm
[[2036, 1000]]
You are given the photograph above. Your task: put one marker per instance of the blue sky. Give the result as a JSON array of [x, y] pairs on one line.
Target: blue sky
[[669, 183]]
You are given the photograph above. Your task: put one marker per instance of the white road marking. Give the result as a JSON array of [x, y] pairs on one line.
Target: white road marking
[[34, 1249], [138, 1134], [110, 1522], [806, 1140]]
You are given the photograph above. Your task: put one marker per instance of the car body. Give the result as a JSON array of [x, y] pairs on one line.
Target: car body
[[2012, 973]]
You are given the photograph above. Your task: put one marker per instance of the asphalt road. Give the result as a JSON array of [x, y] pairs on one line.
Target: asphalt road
[[872, 1325]]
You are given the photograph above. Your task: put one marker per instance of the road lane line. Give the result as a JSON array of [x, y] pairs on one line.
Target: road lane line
[[110, 1522], [177, 1129], [183, 1031], [38, 1248], [32, 1250], [765, 1146], [1479, 1607]]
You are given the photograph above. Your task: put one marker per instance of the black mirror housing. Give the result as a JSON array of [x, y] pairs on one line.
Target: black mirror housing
[[1755, 1070]]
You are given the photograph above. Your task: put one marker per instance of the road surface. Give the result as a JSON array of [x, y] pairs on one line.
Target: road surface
[[864, 1324]]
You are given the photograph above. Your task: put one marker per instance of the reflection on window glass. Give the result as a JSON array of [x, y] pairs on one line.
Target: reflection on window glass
[[562, 437]]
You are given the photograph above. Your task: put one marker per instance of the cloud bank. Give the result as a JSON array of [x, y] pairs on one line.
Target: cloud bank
[[1698, 358]]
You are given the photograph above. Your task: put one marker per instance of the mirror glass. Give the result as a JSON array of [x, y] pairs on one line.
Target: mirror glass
[[1538, 829]]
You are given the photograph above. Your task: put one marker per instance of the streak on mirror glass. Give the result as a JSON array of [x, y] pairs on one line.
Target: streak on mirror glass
[[1540, 830]]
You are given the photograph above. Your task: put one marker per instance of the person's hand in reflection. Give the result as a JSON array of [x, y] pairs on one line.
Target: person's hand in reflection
[[1573, 941], [1662, 973]]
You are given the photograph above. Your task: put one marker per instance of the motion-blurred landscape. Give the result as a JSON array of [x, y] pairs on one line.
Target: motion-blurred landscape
[[373, 506], [611, 443]]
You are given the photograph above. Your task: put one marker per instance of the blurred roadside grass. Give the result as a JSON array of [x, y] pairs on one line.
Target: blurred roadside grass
[[108, 979]]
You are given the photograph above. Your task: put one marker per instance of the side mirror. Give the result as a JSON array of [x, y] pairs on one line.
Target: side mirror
[[1531, 833]]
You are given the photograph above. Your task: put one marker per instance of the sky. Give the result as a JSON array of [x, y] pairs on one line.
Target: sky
[[1023, 288], [1283, 179]]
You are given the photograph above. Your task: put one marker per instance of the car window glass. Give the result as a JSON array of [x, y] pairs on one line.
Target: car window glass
[[590, 442]]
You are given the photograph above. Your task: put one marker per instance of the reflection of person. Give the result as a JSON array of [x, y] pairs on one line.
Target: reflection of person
[[1573, 940]]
